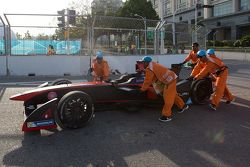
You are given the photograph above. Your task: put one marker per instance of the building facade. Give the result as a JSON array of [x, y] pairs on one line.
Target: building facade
[[225, 20]]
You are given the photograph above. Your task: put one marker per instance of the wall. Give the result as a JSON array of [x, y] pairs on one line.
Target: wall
[[74, 65], [2, 65]]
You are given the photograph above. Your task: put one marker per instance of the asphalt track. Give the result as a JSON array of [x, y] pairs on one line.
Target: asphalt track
[[135, 139]]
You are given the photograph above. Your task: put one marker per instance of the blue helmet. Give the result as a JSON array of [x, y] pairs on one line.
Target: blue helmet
[[146, 59], [210, 52], [99, 55], [201, 53]]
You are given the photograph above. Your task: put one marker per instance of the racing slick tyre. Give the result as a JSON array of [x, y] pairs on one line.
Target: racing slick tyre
[[201, 91], [61, 81], [75, 109]]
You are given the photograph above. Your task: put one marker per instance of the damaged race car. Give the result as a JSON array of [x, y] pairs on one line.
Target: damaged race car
[[72, 105]]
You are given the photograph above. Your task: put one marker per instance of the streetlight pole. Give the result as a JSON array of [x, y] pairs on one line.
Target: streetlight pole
[[145, 33], [195, 24], [173, 27]]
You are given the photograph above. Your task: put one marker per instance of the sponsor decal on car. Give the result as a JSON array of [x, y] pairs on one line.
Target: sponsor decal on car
[[40, 123]]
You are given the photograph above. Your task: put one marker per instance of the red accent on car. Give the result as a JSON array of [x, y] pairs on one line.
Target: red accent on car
[[32, 93], [23, 97], [27, 129]]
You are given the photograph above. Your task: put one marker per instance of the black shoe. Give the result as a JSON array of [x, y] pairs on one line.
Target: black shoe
[[183, 109], [230, 101], [212, 106], [165, 119]]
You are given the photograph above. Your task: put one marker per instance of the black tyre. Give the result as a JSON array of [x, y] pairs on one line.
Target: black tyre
[[75, 110], [61, 81], [201, 91]]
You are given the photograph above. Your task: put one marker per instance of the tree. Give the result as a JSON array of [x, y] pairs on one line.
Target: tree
[[81, 6], [79, 31], [42, 37], [106, 7], [140, 7], [245, 41], [143, 8]]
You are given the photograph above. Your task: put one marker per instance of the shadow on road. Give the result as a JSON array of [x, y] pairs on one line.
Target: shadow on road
[[115, 138]]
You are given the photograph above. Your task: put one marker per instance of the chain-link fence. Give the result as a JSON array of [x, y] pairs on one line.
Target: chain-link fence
[[124, 36], [46, 37], [113, 35], [2, 37]]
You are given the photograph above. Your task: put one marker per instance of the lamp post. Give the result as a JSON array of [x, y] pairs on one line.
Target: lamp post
[[175, 10], [145, 33], [173, 28]]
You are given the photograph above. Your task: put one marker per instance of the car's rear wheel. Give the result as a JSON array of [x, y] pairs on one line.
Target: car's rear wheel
[[61, 81], [75, 110], [201, 91]]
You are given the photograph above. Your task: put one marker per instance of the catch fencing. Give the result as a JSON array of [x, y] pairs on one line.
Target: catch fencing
[[113, 35]]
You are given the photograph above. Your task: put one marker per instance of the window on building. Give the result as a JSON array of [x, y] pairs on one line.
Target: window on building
[[180, 18], [199, 13], [182, 4], [197, 1], [244, 4], [222, 8], [168, 7]]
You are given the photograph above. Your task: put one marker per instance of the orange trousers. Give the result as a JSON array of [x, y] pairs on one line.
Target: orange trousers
[[171, 97], [221, 89]]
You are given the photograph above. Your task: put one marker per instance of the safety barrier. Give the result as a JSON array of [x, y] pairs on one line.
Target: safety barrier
[[59, 65]]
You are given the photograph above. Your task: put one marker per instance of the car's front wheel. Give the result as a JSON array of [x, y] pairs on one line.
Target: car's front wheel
[[201, 91], [75, 110]]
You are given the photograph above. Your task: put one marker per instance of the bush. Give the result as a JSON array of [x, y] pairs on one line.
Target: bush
[[219, 43], [237, 43], [245, 41], [210, 43], [228, 43]]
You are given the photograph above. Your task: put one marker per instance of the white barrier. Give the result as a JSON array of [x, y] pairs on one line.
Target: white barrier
[[59, 65], [2, 65]]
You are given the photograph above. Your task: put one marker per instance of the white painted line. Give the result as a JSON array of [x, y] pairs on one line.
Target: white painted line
[[245, 127]]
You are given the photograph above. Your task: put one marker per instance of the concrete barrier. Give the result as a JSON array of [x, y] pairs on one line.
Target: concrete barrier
[[59, 65]]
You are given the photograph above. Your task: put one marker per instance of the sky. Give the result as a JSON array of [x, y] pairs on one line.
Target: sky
[[34, 7]]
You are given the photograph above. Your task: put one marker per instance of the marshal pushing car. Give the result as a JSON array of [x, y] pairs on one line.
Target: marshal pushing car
[[72, 105]]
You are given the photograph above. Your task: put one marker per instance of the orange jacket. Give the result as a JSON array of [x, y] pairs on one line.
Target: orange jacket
[[191, 56], [101, 70], [202, 70], [157, 73]]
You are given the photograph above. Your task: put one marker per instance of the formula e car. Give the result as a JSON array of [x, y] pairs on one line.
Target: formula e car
[[72, 105]]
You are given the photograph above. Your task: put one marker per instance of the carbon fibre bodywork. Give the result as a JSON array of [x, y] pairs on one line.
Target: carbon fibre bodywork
[[72, 105], [41, 103]]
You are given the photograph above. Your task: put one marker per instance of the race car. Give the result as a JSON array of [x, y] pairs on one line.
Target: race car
[[72, 105]]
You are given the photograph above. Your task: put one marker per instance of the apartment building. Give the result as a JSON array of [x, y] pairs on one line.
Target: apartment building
[[226, 20]]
